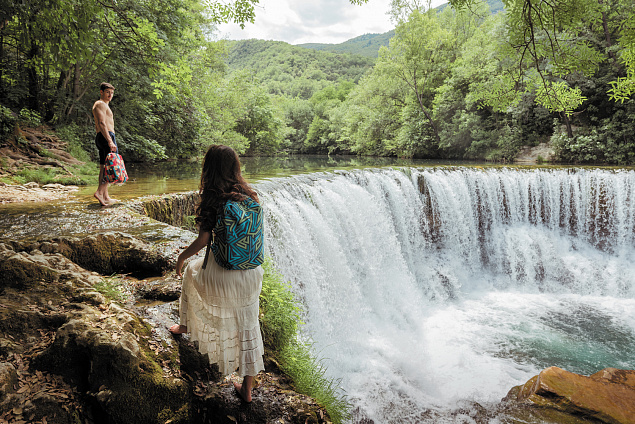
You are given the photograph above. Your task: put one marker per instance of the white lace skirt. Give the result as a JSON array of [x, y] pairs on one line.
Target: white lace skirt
[[220, 309]]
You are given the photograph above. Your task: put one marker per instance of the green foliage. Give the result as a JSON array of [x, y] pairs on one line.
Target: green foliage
[[81, 175], [280, 319], [8, 122], [294, 71], [29, 118], [79, 141], [451, 82]]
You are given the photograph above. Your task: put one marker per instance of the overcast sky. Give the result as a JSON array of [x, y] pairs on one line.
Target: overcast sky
[[314, 21]]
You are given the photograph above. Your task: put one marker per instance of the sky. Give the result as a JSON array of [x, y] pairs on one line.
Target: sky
[[313, 21]]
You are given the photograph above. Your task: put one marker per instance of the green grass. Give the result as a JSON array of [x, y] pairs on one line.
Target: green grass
[[280, 322], [110, 287], [81, 175]]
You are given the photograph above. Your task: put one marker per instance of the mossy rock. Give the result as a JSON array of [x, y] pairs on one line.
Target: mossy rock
[[21, 272], [112, 252], [105, 354]]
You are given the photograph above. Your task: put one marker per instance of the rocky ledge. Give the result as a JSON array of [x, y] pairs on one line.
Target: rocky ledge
[[72, 350], [33, 192]]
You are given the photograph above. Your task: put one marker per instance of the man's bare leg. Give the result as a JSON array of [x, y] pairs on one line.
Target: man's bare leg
[[244, 390], [99, 194]]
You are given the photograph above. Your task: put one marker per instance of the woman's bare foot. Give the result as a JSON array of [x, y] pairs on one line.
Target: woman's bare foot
[[178, 329], [242, 391], [110, 200], [102, 201]]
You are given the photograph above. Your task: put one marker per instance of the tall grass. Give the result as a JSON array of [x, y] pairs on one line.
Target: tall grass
[[280, 322]]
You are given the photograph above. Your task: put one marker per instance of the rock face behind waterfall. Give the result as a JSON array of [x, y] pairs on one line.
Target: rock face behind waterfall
[[173, 209], [71, 354], [608, 395]]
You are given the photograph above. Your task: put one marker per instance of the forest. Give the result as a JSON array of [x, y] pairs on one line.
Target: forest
[[459, 82]]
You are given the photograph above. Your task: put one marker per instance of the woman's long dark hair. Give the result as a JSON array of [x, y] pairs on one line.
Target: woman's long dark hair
[[221, 180]]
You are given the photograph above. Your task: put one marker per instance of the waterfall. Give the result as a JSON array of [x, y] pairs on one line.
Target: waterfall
[[424, 288]]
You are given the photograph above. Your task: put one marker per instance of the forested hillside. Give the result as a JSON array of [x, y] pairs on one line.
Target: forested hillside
[[456, 82], [365, 45], [294, 71]]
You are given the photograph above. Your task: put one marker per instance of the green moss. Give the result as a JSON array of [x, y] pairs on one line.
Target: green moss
[[142, 393], [21, 274]]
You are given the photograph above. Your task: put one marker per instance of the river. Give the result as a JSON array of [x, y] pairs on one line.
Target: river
[[430, 302]]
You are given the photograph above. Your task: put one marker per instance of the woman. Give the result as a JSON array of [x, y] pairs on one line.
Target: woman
[[219, 307]]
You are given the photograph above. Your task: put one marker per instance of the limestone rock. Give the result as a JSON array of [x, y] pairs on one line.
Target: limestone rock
[[8, 378], [167, 290], [107, 352], [107, 253], [608, 395]]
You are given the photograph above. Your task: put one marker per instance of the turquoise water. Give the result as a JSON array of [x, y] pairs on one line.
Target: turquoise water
[[427, 302]]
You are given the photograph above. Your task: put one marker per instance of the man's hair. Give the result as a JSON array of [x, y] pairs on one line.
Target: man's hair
[[105, 85]]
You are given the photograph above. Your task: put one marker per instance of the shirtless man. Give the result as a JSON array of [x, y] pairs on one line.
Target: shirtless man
[[105, 139]]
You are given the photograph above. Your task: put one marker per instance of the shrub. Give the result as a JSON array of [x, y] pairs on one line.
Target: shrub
[[79, 141], [8, 121], [29, 118]]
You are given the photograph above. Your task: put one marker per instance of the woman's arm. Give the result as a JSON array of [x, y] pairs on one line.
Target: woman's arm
[[192, 249]]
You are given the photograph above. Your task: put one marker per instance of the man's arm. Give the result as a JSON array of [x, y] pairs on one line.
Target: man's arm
[[100, 118]]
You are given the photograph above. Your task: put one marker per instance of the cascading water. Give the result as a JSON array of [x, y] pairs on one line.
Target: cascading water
[[426, 288]]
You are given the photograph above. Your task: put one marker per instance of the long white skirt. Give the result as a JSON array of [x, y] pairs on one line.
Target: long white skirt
[[220, 309]]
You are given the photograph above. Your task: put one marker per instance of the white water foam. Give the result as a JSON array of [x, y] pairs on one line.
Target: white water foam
[[420, 302]]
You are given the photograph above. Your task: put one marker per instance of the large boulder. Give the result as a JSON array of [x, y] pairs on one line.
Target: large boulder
[[107, 253], [608, 395], [110, 355]]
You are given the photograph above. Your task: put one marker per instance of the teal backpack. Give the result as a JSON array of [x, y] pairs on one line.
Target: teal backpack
[[237, 236]]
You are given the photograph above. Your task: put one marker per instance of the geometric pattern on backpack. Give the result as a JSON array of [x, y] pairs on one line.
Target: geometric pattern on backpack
[[114, 169], [238, 235]]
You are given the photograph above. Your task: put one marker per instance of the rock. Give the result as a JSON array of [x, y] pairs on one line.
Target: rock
[[608, 395], [166, 290], [173, 209], [535, 154], [108, 354], [21, 270], [107, 253], [8, 378]]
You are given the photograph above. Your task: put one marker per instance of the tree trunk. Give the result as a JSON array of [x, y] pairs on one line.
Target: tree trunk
[[31, 73], [607, 38], [567, 123], [434, 127], [1, 60]]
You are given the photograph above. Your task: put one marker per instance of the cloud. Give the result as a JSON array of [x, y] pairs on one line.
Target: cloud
[[317, 21]]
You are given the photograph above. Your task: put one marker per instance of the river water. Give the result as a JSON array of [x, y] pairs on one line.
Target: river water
[[428, 287], [428, 302]]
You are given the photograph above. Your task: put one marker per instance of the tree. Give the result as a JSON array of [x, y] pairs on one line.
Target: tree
[[418, 56], [553, 41]]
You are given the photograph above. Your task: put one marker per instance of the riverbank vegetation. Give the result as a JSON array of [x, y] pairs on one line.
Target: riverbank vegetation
[[455, 82], [280, 318]]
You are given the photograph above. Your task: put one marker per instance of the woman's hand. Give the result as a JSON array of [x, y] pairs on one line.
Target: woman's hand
[[179, 266], [192, 249]]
